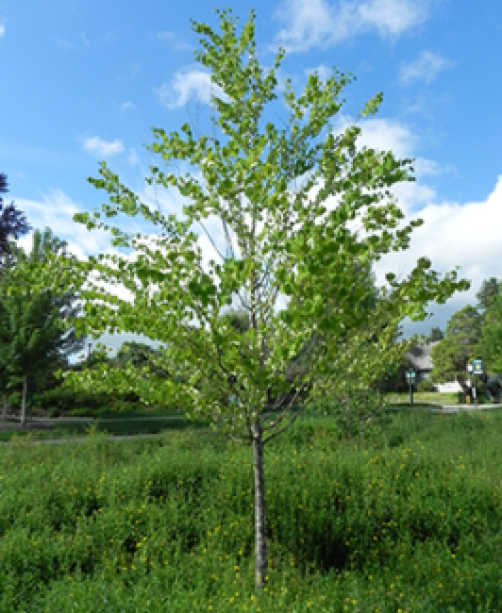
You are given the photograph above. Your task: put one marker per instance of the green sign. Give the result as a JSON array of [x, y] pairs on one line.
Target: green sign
[[477, 367]]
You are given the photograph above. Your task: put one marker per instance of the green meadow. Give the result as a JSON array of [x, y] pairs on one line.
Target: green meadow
[[131, 421], [407, 518]]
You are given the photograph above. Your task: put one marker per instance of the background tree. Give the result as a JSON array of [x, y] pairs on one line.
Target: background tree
[[451, 354], [307, 261], [139, 355], [34, 344], [436, 334], [12, 223], [489, 345], [134, 353], [29, 332], [487, 295]]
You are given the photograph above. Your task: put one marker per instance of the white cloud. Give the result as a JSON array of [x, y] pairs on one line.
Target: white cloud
[[325, 72], [425, 68], [318, 24], [453, 233], [173, 40], [99, 146], [84, 39], [186, 82], [126, 106], [429, 167], [2, 30], [133, 158]]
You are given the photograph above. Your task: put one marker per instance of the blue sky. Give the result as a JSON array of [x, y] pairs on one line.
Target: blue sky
[[86, 81]]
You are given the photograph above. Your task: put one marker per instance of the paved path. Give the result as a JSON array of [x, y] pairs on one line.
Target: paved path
[[465, 407], [83, 438], [80, 420], [439, 409]]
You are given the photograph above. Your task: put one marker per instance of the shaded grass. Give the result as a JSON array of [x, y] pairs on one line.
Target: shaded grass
[[113, 428], [446, 398], [407, 519], [116, 424]]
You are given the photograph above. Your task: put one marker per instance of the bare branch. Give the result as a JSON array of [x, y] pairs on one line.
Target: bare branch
[[271, 436], [285, 412]]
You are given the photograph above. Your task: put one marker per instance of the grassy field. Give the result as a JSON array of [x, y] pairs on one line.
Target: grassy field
[[115, 424], [408, 519], [131, 422]]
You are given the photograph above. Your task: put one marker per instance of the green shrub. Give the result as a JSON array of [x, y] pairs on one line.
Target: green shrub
[[61, 401], [426, 386]]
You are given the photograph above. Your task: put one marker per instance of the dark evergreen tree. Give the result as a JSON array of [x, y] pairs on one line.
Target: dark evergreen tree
[[436, 334], [12, 223], [487, 294]]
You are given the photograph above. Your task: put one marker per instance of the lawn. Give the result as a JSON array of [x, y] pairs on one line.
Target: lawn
[[407, 519], [115, 424], [131, 422]]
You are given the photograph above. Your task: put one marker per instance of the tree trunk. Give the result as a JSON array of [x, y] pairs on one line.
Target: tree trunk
[[259, 509], [5, 406], [23, 404]]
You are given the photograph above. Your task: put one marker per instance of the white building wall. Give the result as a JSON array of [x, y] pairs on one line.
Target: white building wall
[[452, 386]]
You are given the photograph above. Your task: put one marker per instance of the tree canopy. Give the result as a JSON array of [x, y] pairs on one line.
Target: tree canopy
[[487, 294], [307, 262], [34, 340]]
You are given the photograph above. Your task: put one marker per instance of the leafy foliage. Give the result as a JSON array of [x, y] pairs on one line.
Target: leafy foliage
[[34, 343], [303, 252], [426, 386]]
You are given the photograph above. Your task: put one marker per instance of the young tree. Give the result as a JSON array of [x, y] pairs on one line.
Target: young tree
[[298, 364], [28, 339], [34, 343], [12, 223], [308, 261]]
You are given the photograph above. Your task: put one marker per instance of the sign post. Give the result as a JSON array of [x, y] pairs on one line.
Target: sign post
[[410, 378], [469, 370], [475, 368]]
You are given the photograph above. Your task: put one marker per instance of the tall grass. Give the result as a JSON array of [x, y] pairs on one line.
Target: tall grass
[[407, 519]]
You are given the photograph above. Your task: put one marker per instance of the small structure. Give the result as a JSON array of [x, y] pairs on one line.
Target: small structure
[[419, 358]]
